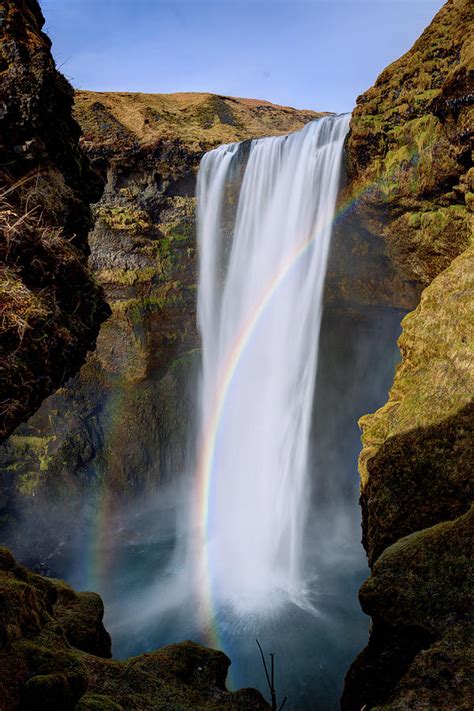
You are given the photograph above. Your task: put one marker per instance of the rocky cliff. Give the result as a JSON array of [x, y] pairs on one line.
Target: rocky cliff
[[51, 306], [410, 162], [120, 425], [55, 655]]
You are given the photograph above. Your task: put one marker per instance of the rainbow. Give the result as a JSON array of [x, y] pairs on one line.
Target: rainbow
[[209, 438], [100, 558], [99, 554]]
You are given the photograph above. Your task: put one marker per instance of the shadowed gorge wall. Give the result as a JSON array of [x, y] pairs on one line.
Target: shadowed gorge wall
[[51, 306], [410, 159]]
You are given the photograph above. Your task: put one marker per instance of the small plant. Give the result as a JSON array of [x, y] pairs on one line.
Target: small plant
[[270, 676]]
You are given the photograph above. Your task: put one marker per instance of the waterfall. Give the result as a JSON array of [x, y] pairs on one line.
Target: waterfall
[[265, 215]]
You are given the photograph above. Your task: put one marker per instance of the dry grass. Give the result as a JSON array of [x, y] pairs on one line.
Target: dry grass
[[193, 118], [20, 307], [47, 295]]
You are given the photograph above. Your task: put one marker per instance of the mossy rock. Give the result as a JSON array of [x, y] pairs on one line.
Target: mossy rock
[[408, 150], [53, 650], [420, 596], [58, 692], [97, 702]]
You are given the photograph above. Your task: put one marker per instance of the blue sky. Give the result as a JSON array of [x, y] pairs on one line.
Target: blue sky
[[318, 54]]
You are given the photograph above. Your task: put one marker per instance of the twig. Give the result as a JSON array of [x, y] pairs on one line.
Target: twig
[[264, 664], [271, 678]]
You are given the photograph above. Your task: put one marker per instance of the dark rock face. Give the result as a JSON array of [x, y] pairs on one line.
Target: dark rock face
[[55, 654], [410, 160], [51, 306], [420, 598]]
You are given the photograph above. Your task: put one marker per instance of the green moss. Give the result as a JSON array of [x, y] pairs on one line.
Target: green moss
[[123, 218], [97, 702], [398, 158], [438, 564], [127, 277], [419, 134], [424, 98], [35, 449]]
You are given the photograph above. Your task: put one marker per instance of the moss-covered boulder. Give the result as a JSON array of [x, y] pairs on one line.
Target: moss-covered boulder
[[55, 655], [51, 306], [420, 596]]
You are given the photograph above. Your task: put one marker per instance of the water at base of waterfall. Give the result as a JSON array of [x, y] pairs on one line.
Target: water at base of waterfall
[[149, 603]]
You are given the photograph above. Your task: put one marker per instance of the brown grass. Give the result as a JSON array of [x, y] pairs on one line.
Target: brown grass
[[196, 119], [48, 295]]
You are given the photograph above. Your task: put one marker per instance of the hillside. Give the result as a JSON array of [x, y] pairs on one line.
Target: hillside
[[198, 121]]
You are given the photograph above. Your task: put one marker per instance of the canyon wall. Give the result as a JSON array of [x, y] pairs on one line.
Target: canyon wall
[[51, 305], [121, 426], [410, 163]]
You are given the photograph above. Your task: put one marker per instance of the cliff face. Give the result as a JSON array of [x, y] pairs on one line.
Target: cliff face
[[55, 654], [410, 157], [50, 305], [122, 423], [409, 152]]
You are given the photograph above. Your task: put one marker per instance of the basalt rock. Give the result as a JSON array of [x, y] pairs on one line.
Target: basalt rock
[[51, 306], [410, 162], [55, 655]]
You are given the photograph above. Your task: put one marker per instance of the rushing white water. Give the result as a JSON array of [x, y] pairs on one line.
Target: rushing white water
[[262, 274]]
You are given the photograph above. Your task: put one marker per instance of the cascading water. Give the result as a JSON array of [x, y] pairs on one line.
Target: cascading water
[[259, 309]]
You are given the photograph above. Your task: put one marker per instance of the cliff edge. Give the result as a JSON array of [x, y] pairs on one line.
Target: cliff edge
[[410, 161]]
